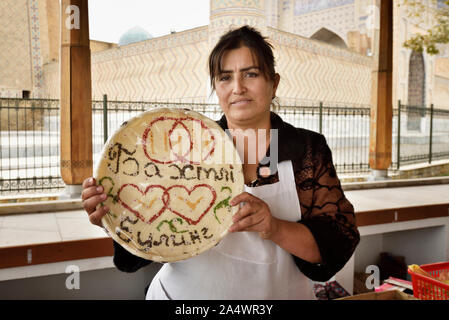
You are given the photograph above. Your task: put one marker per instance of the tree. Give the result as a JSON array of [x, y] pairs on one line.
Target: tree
[[438, 33]]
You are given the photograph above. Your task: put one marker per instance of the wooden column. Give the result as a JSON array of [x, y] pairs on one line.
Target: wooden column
[[76, 93], [381, 94]]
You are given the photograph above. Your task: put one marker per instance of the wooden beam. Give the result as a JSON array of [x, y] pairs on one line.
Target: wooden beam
[[381, 94], [76, 93]]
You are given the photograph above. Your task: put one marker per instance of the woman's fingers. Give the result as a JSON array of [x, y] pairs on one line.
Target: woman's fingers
[[245, 210], [250, 216], [95, 212], [243, 197], [91, 203], [92, 195], [254, 215], [96, 216], [89, 182], [248, 223], [91, 191]]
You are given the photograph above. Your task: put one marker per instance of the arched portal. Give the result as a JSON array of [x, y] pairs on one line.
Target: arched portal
[[329, 37]]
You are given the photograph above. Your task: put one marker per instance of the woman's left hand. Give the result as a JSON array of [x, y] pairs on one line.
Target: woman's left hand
[[254, 215]]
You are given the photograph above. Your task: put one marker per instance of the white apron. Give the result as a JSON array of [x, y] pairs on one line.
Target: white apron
[[243, 265]]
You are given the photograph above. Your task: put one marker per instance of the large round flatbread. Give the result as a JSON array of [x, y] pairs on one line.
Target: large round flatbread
[[169, 175]]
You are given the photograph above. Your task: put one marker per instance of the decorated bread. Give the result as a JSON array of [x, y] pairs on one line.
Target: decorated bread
[[169, 175]]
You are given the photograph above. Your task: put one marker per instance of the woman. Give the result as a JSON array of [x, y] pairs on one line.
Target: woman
[[294, 223]]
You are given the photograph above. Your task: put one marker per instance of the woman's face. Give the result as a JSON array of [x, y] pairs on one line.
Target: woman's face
[[243, 91]]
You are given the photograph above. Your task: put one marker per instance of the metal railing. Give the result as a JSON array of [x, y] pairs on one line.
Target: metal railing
[[29, 145], [346, 128], [420, 135], [29, 135]]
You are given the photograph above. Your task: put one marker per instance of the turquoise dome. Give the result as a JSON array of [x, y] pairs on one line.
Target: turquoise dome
[[133, 35]]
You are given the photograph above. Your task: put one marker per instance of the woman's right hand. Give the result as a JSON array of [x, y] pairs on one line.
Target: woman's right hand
[[92, 195]]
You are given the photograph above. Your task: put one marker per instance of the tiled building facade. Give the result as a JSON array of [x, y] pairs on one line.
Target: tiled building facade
[[323, 51]]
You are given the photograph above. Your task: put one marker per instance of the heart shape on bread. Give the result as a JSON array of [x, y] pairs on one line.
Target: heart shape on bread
[[147, 205], [190, 204]]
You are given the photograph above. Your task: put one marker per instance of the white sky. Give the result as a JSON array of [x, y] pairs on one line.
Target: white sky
[[109, 19]]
